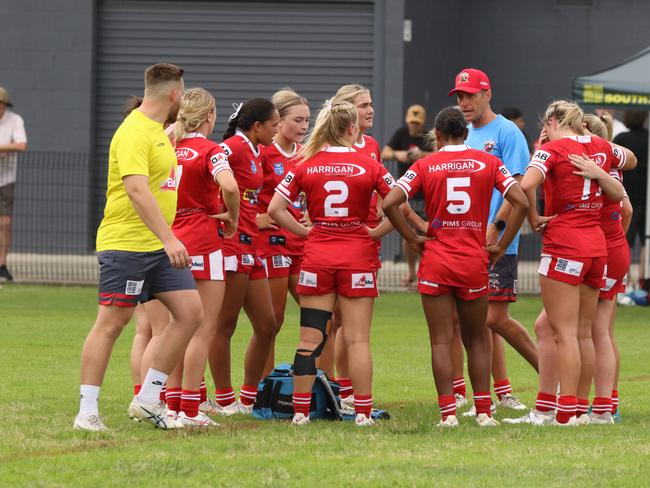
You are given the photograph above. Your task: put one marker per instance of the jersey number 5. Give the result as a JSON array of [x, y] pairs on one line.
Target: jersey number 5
[[338, 193], [456, 195]]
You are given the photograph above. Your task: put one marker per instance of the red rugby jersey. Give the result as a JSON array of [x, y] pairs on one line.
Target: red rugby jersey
[[457, 183], [338, 183], [577, 201], [276, 163], [370, 147], [610, 218], [199, 160], [245, 161]]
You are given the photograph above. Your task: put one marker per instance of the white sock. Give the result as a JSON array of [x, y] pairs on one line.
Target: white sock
[[88, 399], [151, 386]]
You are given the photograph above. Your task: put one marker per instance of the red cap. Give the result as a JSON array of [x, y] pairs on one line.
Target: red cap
[[471, 80]]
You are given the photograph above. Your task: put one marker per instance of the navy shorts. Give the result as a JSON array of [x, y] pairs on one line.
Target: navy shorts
[[503, 280], [126, 278]]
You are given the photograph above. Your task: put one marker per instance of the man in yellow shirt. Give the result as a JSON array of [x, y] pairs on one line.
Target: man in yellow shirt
[[138, 254]]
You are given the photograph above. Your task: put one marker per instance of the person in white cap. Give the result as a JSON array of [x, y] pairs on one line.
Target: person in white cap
[[12, 141]]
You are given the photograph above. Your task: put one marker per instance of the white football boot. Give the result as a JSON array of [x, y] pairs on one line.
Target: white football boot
[[362, 420], [534, 417], [91, 423], [572, 422], [484, 420], [601, 418], [152, 413], [209, 407], [461, 401], [511, 401], [200, 421], [450, 422], [300, 419]]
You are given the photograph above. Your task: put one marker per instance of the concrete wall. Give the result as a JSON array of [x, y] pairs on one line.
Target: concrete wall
[[531, 50]]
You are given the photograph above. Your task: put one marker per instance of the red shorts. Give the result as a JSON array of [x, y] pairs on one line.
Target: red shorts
[[574, 271], [618, 264], [280, 266], [466, 294], [246, 263], [346, 282], [208, 266]]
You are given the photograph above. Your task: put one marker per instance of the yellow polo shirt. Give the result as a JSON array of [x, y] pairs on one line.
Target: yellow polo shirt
[[139, 147]]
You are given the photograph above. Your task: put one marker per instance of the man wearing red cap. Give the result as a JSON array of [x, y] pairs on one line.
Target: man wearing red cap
[[496, 135]]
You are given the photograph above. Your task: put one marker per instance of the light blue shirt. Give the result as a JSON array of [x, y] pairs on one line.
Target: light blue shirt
[[503, 139]]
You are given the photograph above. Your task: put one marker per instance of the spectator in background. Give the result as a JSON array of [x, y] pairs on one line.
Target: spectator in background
[[408, 144], [636, 140], [12, 141], [515, 115]]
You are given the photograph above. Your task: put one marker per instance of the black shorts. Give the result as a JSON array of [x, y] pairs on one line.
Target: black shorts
[[503, 280], [7, 200], [126, 278]]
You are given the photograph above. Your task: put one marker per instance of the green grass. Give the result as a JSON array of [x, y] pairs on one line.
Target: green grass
[[41, 332]]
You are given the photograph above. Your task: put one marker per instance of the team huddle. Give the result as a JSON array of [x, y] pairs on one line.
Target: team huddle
[[195, 231]]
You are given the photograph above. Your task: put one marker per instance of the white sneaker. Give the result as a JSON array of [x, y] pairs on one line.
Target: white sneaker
[[245, 409], [172, 415], [209, 407], [347, 404], [152, 413], [472, 411], [362, 420], [572, 422], [601, 418], [484, 420], [300, 419], [584, 419], [200, 421], [511, 401], [461, 401], [450, 421], [228, 410], [91, 423], [534, 417]]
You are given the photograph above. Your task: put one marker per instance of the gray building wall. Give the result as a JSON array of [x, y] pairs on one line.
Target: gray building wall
[[531, 50], [46, 64]]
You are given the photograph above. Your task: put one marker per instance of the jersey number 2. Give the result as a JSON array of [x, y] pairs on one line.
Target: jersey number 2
[[338, 193], [456, 195]]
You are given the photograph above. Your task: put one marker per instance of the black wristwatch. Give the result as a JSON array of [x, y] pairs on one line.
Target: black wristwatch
[[500, 224]]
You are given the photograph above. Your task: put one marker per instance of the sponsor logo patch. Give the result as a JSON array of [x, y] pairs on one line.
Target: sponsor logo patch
[[337, 169], [458, 166], [197, 263], [247, 260], [489, 146], [280, 262], [308, 279], [170, 183], [185, 154], [133, 287], [363, 280], [410, 175], [567, 266]]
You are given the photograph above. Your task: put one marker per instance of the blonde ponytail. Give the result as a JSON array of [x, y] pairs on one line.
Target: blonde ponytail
[[601, 126], [332, 122], [568, 115], [196, 104]]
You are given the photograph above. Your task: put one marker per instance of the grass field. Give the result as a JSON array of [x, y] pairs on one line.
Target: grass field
[[41, 332]]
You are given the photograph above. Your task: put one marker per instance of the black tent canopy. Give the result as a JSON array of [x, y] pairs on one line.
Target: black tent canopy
[[624, 86]]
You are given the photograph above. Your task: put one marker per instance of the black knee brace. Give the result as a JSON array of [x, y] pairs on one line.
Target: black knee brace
[[304, 363]]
